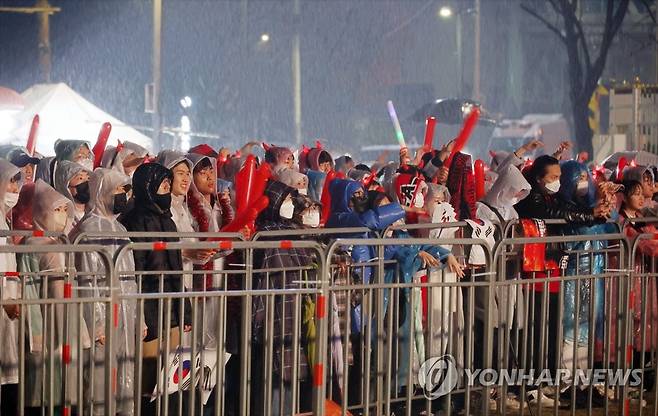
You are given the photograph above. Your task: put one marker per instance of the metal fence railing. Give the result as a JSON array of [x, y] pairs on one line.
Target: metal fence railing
[[332, 321]]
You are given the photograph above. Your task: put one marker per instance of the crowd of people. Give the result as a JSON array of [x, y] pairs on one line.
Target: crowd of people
[[128, 189]]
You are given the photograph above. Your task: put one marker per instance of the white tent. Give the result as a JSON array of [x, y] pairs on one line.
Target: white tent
[[64, 114]]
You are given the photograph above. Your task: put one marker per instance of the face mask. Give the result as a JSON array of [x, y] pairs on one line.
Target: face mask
[[11, 199], [419, 201], [87, 163], [303, 191], [582, 188], [120, 203], [82, 193], [162, 201], [60, 219], [360, 204], [287, 209], [311, 219], [552, 187]]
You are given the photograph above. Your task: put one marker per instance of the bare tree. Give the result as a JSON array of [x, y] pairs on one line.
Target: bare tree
[[584, 69]]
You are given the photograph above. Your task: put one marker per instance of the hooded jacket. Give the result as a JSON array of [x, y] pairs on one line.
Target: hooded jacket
[[67, 149], [293, 179], [342, 215], [10, 287], [101, 218], [497, 205], [148, 216], [293, 260], [541, 205], [208, 217], [64, 173]]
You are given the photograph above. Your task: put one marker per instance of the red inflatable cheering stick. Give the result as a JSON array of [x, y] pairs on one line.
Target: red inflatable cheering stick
[[101, 142], [244, 180], [620, 168], [430, 123], [248, 216], [464, 134], [32, 138], [479, 179]]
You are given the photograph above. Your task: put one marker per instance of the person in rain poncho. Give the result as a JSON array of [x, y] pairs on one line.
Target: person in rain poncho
[[72, 181], [10, 185], [125, 157], [19, 157], [294, 179], [643, 175], [77, 151], [181, 168], [51, 212], [279, 158], [109, 197], [577, 190], [316, 164]]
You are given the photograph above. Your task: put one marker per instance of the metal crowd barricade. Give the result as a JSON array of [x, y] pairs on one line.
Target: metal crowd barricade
[[570, 317], [642, 328], [264, 295], [52, 338], [371, 362], [510, 227]]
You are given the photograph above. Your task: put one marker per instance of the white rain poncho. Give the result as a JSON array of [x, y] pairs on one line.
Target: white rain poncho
[[114, 160], [180, 213], [10, 287], [497, 206], [101, 218], [52, 266], [64, 172]]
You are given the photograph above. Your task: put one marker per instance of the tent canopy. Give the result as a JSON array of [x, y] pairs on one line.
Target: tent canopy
[[65, 114]]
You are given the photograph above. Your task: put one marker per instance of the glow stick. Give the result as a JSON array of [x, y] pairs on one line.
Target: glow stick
[[396, 124]]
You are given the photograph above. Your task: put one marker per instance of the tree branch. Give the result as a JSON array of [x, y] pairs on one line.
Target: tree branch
[[548, 24], [648, 7]]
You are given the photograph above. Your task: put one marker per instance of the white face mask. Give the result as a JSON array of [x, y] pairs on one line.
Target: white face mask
[[11, 199], [582, 188], [419, 200], [287, 209], [87, 163], [303, 191], [61, 219], [552, 187], [311, 219]]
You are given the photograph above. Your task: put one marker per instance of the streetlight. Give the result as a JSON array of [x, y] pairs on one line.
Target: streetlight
[[265, 37], [186, 102], [445, 12]]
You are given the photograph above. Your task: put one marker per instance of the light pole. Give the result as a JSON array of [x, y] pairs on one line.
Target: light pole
[[446, 12], [157, 59], [297, 74]]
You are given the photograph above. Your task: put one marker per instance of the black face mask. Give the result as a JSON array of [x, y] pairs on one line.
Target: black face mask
[[82, 193], [162, 201], [120, 203], [360, 204]]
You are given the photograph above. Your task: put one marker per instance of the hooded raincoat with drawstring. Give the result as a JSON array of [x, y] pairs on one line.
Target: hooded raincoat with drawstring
[[10, 286], [51, 266], [64, 173], [101, 218]]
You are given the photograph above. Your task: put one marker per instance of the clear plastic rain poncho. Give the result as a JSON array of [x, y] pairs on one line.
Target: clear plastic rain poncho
[[101, 218], [114, 159], [10, 287], [64, 173], [37, 267], [180, 213]]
